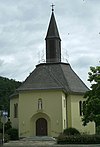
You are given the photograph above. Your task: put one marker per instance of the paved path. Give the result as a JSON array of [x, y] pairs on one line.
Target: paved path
[[41, 142], [32, 141]]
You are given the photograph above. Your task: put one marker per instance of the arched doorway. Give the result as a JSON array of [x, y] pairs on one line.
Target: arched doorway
[[41, 127]]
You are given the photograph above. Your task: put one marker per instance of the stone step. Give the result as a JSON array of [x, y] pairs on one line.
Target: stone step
[[39, 138]]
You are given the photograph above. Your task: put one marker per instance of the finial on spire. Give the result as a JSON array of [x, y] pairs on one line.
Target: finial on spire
[[52, 7]]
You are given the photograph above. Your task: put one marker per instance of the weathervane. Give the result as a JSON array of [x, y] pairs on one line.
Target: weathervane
[[52, 7]]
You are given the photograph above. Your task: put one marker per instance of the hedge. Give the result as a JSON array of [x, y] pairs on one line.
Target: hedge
[[13, 133], [71, 131], [78, 139]]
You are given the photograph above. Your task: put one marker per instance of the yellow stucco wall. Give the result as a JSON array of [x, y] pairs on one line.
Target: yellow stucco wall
[[76, 119], [68, 107], [52, 112], [60, 111]]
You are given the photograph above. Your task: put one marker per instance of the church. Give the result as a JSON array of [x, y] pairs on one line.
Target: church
[[51, 97]]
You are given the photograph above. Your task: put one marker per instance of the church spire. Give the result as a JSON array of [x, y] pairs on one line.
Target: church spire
[[53, 41]]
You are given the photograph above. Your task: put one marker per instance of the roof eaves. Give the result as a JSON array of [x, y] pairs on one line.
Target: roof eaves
[[33, 89], [14, 95], [76, 93]]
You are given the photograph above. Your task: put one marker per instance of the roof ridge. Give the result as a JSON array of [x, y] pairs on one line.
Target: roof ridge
[[34, 71], [79, 78], [53, 77], [65, 78]]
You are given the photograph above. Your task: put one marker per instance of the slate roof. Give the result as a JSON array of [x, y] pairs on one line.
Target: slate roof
[[52, 29], [49, 76]]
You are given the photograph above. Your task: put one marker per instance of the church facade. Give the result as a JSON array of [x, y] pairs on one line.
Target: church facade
[[51, 98]]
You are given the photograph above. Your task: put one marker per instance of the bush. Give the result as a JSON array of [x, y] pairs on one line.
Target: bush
[[6, 137], [98, 130], [1, 126], [71, 131], [13, 133], [73, 136], [0, 136], [78, 139], [61, 137], [7, 126]]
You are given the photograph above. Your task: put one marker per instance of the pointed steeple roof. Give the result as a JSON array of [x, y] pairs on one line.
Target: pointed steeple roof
[[52, 29], [54, 74], [53, 42]]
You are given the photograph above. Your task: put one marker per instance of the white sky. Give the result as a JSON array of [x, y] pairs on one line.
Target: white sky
[[23, 27]]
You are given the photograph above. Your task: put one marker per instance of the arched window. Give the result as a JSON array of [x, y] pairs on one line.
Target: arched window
[[15, 110], [81, 107], [40, 104], [84, 103]]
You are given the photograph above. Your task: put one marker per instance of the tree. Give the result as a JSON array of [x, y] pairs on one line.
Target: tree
[[92, 105], [7, 88]]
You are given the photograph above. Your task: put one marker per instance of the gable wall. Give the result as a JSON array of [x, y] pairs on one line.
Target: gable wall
[[52, 107]]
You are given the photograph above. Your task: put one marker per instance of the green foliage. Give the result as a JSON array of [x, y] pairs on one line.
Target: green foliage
[[7, 87], [78, 139], [98, 130], [92, 105], [1, 126], [73, 136], [7, 126], [13, 133], [10, 133], [71, 131], [6, 137], [0, 136]]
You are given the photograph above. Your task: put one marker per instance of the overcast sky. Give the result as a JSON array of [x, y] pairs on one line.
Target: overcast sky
[[23, 27]]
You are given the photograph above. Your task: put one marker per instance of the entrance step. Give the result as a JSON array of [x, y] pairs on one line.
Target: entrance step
[[39, 138], [35, 141]]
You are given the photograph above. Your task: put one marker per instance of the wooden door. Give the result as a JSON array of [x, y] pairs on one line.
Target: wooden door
[[41, 127]]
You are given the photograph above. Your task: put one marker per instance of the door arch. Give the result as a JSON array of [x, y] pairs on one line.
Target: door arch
[[41, 127]]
